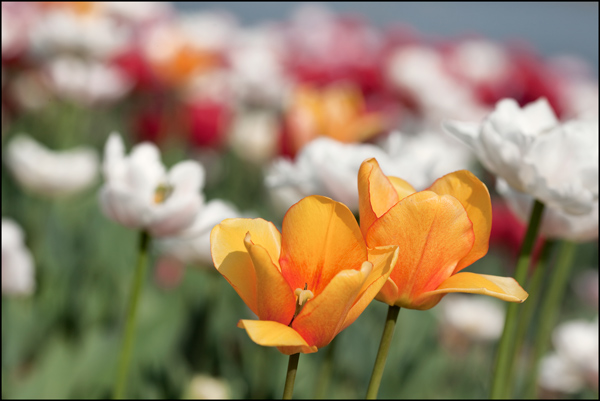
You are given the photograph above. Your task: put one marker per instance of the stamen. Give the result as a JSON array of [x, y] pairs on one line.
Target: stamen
[[162, 192], [303, 295]]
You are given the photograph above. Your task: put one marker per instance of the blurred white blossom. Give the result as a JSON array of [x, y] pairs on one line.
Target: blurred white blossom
[[18, 276], [254, 135], [203, 387], [555, 163], [575, 360], [51, 173], [477, 318], [193, 244], [138, 192]]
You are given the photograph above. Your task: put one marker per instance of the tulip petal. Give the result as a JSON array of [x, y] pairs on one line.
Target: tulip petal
[[403, 188], [376, 194], [475, 198], [275, 298], [432, 232], [232, 259], [383, 259], [273, 334], [323, 316], [504, 288], [320, 238], [388, 293]]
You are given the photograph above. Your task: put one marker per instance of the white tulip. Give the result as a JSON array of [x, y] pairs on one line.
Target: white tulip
[[17, 262], [556, 223], [575, 360], [51, 173], [193, 244], [138, 192], [555, 163], [478, 318]]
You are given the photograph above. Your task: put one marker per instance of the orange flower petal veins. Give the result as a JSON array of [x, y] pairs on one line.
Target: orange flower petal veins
[[375, 192], [232, 259], [275, 298], [320, 238], [273, 334], [475, 198], [432, 232]]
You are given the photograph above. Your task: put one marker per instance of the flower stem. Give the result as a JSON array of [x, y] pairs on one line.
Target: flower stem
[[550, 307], [134, 295], [506, 349], [288, 389], [326, 369], [384, 346]]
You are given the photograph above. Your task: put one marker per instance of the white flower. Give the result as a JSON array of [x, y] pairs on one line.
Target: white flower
[[88, 82], [193, 244], [254, 135], [478, 318], [138, 193], [17, 262], [555, 163], [51, 173], [204, 387], [555, 223], [575, 361]]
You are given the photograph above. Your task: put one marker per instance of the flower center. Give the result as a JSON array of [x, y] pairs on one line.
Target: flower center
[[162, 192], [303, 295]]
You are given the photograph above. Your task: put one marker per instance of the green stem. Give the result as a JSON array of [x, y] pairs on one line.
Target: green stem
[[526, 315], [288, 389], [550, 307], [384, 346], [326, 369], [506, 349], [134, 295]]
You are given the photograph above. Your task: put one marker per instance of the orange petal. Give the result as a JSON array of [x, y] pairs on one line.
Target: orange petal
[[376, 194], [432, 232], [504, 288], [475, 198], [231, 257], [273, 334], [388, 293], [323, 316], [275, 298], [320, 238], [383, 259], [403, 188]]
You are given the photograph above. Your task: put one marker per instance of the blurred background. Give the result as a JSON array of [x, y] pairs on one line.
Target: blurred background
[[250, 90]]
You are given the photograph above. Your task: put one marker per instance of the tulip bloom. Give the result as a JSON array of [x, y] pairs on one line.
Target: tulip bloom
[[439, 231], [307, 283]]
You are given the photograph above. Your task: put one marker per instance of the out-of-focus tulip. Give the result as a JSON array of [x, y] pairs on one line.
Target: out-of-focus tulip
[[193, 244], [556, 223], [307, 283], [138, 193], [555, 163], [18, 276], [439, 232], [254, 135], [204, 387], [51, 173], [478, 319], [575, 360]]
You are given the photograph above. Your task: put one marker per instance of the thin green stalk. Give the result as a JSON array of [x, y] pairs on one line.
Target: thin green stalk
[[384, 347], [506, 349], [288, 389], [534, 289], [326, 369], [134, 295], [550, 308]]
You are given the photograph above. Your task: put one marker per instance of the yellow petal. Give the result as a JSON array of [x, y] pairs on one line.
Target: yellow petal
[[383, 259], [475, 198], [376, 194], [388, 293], [432, 232], [504, 288], [275, 298], [273, 334], [320, 238], [231, 257], [323, 316], [403, 188]]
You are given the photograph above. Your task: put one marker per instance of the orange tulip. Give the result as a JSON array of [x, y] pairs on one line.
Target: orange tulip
[[307, 283], [439, 231]]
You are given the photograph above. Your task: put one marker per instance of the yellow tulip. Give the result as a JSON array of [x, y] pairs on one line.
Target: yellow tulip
[[307, 283], [439, 231]]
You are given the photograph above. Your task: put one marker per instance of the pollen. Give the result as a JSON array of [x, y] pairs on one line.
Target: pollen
[[162, 192]]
